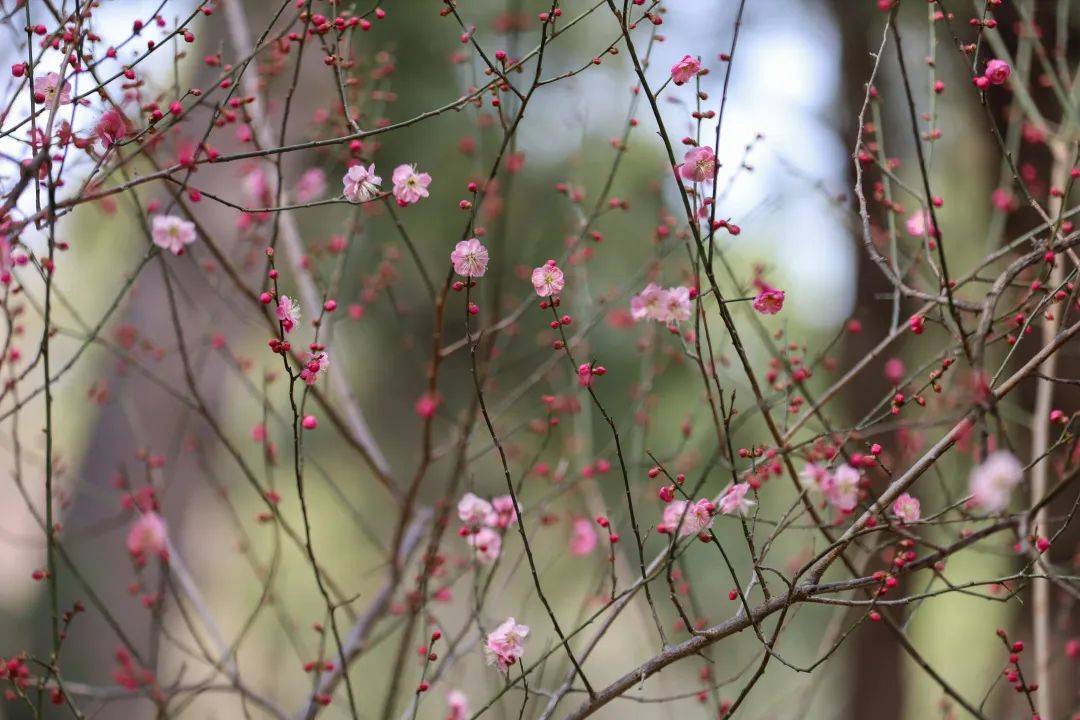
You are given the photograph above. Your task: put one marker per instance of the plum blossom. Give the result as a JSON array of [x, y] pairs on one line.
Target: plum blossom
[[148, 536], [48, 87], [172, 233], [583, 540], [919, 224], [699, 164], [907, 508], [841, 488], [361, 184], [698, 517], [475, 511], [997, 72], [813, 478], [312, 184], [685, 70], [505, 644], [457, 704], [548, 279], [487, 543], [469, 258], [288, 312], [111, 127], [769, 300], [316, 363], [649, 303], [505, 513], [409, 185], [734, 499], [991, 483], [676, 305]]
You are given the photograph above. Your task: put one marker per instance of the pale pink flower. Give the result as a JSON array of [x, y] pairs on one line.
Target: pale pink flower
[[698, 517], [685, 70], [469, 258], [316, 363], [148, 536], [457, 705], [991, 483], [842, 488], [361, 184], [409, 185], [769, 300], [487, 543], [734, 500], [257, 188], [813, 477], [1002, 199], [172, 233], [585, 375], [699, 164], [49, 87], [505, 514], [676, 305], [505, 644], [919, 224], [312, 184], [907, 508], [997, 72], [650, 303], [583, 540], [288, 312], [548, 279], [475, 511]]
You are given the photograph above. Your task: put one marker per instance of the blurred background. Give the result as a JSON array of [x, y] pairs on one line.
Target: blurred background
[[786, 179]]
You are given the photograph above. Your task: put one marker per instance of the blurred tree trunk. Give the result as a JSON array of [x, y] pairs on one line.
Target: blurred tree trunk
[[874, 680]]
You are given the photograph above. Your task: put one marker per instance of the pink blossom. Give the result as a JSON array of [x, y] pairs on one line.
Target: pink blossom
[[48, 87], [172, 233], [361, 184], [1002, 199], [583, 541], [997, 72], [699, 164], [148, 536], [991, 483], [487, 543], [409, 185], [505, 514], [288, 312], [585, 375], [649, 303], [676, 305], [769, 300], [894, 370], [312, 184], [469, 258], [257, 187], [698, 517], [734, 500], [316, 363], [457, 704], [813, 477], [919, 224], [475, 511], [505, 644], [548, 279], [907, 508], [426, 405], [841, 488], [111, 127], [685, 70]]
